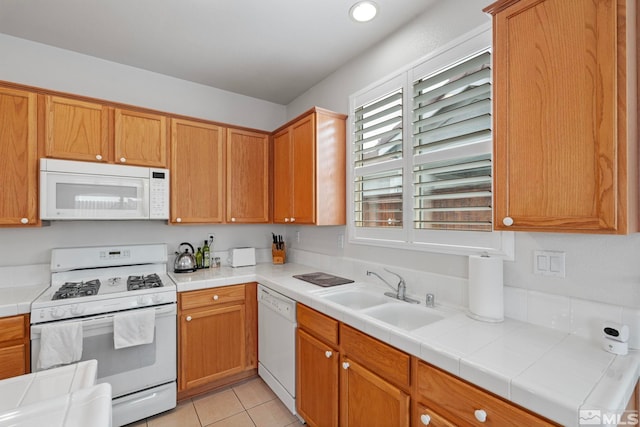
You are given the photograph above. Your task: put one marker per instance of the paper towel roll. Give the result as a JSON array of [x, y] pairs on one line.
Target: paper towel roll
[[486, 294]]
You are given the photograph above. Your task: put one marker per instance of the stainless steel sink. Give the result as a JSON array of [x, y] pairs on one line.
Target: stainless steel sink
[[356, 299], [403, 316]]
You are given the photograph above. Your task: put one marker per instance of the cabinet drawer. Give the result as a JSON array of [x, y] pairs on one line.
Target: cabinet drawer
[[425, 416], [386, 361], [211, 297], [319, 325], [12, 328], [436, 388]]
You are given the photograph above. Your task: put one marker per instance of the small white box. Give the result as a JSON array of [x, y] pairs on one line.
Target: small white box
[[242, 257]]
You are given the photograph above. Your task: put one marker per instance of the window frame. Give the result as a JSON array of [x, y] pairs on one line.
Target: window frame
[[456, 242]]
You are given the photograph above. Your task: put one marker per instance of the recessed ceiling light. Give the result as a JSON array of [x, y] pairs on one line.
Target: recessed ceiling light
[[363, 11]]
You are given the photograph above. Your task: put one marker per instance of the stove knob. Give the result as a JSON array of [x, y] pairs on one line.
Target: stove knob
[[144, 300], [157, 299], [57, 312], [77, 310]]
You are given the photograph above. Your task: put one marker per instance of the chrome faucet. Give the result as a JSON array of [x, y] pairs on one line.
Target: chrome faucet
[[400, 290]]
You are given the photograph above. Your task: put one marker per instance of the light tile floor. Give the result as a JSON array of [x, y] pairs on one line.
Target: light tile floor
[[249, 404]]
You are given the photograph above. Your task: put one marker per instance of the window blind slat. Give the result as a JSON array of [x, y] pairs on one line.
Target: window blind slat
[[478, 61], [478, 92]]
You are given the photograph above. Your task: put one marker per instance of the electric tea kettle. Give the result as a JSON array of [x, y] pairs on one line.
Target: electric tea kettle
[[185, 262]]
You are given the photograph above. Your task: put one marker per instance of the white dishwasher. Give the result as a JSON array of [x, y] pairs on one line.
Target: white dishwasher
[[277, 344]]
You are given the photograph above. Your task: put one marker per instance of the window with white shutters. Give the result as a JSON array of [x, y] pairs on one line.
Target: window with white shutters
[[452, 147], [377, 155], [421, 155]]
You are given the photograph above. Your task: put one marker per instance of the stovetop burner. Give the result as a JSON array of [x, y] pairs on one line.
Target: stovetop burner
[[143, 282], [77, 289]]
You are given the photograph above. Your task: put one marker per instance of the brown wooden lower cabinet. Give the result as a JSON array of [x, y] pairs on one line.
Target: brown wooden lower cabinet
[[14, 346], [368, 400], [217, 337], [317, 381]]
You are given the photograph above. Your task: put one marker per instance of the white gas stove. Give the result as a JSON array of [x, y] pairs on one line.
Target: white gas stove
[[97, 287], [95, 280]]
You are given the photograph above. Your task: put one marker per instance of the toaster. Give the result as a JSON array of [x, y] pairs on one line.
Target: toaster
[[242, 257]]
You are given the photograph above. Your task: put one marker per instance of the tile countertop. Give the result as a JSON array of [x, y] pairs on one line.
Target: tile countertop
[[550, 372], [20, 285], [17, 300]]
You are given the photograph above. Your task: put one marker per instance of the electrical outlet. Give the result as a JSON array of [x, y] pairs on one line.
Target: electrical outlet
[[549, 263], [297, 237], [212, 237], [341, 241]]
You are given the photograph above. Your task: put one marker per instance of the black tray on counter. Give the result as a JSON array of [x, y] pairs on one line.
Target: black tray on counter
[[323, 279]]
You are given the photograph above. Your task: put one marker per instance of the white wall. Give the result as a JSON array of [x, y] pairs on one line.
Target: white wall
[[39, 65], [600, 268]]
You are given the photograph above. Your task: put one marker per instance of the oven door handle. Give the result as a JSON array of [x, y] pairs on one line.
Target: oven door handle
[[103, 320]]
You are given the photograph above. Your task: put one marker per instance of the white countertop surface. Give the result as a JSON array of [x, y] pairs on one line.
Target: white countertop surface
[[60, 397], [550, 372], [39, 386], [16, 300]]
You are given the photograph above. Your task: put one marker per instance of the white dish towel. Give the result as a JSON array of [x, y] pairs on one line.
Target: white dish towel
[[134, 328], [60, 344]]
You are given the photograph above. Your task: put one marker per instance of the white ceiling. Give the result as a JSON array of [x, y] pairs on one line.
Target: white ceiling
[[269, 49]]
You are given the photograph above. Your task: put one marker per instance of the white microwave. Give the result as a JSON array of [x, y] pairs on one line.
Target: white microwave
[[71, 190]]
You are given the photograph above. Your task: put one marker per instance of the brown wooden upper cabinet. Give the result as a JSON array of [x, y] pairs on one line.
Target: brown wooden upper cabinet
[[18, 157], [140, 138], [76, 130], [81, 130], [247, 177], [565, 149], [197, 172], [309, 169]]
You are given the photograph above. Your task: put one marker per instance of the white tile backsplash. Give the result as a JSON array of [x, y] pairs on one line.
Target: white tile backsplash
[[566, 314]]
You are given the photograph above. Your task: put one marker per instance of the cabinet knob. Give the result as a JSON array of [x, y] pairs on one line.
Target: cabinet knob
[[178, 219], [188, 319], [24, 220], [286, 220], [98, 157], [425, 419], [233, 220], [345, 365], [481, 415], [216, 297], [508, 221], [123, 160], [293, 220], [328, 354]]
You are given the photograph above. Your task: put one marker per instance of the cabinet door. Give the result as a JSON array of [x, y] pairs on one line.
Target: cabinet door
[[197, 172], [14, 346], [18, 157], [316, 381], [212, 345], [282, 176], [557, 131], [140, 138], [303, 148], [76, 130], [247, 177], [367, 400]]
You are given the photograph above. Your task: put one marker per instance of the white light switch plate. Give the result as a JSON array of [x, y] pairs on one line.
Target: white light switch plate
[[549, 263]]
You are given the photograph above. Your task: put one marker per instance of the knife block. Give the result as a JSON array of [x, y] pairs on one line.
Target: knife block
[[278, 255]]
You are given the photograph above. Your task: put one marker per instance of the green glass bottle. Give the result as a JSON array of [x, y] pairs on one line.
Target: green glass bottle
[[206, 255], [199, 258]]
